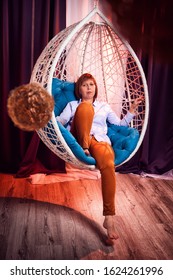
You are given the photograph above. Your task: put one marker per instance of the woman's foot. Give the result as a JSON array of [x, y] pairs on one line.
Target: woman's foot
[[109, 225]]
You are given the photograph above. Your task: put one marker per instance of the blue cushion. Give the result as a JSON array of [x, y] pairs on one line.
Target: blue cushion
[[63, 92], [124, 139]]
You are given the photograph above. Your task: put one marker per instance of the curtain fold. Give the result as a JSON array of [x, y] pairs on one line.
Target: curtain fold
[[25, 27], [39, 159]]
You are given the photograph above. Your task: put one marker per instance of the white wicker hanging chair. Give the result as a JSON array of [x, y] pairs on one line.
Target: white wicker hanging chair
[[93, 46]]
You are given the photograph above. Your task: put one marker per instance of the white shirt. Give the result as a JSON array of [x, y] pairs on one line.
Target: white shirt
[[103, 113]]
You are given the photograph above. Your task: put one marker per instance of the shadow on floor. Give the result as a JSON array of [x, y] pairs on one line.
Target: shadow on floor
[[35, 230]]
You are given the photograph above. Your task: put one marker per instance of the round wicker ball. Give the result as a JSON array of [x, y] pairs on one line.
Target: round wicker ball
[[30, 106]]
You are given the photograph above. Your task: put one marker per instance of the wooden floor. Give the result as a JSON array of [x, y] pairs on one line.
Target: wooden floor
[[64, 220]]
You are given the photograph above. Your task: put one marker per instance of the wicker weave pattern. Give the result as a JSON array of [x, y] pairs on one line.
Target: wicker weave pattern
[[93, 46]]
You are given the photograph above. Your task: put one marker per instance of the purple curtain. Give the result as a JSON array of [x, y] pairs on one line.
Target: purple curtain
[[26, 27]]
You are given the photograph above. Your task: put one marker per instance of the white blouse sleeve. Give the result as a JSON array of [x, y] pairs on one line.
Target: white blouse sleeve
[[66, 115], [114, 119]]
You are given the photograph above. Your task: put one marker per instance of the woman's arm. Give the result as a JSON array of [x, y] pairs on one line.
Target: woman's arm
[[114, 119]]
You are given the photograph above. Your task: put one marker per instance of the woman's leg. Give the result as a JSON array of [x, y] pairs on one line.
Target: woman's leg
[[104, 155], [82, 122]]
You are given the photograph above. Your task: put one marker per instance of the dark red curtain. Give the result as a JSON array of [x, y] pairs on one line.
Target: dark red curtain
[[28, 25], [26, 28]]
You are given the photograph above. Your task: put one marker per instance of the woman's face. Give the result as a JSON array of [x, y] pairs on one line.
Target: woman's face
[[87, 90]]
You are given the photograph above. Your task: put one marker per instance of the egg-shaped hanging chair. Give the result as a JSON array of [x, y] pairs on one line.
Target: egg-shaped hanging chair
[[93, 46]]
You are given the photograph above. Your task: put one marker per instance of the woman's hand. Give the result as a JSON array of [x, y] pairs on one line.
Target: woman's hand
[[86, 151], [135, 104]]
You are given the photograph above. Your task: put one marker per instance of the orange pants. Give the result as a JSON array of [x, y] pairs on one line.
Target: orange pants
[[101, 151]]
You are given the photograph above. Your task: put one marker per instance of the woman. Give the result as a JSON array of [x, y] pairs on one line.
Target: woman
[[87, 119]]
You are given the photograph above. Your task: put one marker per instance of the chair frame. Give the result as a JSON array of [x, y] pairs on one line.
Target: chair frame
[[48, 66]]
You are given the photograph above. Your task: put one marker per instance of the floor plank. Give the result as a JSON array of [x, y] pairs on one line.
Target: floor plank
[[64, 220]]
